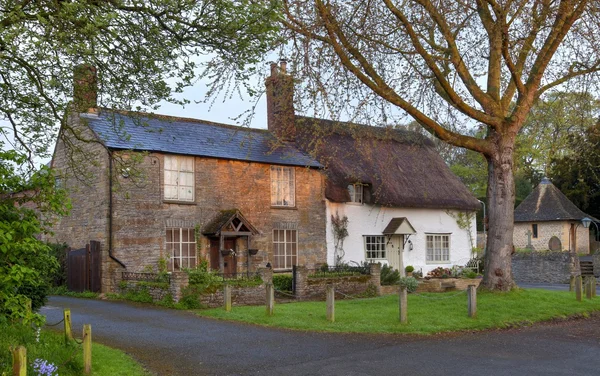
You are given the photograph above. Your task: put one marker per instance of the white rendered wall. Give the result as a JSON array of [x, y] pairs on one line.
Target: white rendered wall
[[371, 220]]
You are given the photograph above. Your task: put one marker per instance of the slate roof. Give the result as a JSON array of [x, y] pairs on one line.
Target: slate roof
[[547, 203], [131, 131], [401, 168]]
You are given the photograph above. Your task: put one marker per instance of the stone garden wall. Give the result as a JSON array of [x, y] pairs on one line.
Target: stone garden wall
[[314, 288], [544, 267]]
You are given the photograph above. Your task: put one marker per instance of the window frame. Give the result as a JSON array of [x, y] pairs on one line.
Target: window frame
[[290, 245], [534, 231], [278, 179], [431, 259], [177, 160], [192, 248], [353, 190], [382, 252]]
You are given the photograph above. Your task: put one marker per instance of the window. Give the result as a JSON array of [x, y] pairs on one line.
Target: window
[[285, 249], [179, 178], [534, 230], [181, 246], [282, 186], [375, 247], [356, 193], [438, 248]]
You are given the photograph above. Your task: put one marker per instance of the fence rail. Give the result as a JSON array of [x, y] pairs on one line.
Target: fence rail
[[150, 277]]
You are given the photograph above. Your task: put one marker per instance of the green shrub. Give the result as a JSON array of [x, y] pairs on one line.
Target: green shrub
[[283, 282], [389, 276], [410, 283], [189, 298], [409, 269]]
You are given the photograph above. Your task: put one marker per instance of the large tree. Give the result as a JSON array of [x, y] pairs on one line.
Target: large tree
[[144, 51], [452, 62]]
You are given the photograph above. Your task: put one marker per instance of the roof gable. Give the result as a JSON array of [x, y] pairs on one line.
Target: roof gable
[[402, 168], [399, 226], [547, 203], [132, 131]]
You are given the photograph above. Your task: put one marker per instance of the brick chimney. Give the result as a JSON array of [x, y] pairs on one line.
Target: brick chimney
[[280, 103], [85, 88]]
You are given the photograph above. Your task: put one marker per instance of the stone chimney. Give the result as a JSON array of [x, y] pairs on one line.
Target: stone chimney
[[85, 88], [280, 103]]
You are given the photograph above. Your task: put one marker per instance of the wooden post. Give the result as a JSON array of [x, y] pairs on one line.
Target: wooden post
[[270, 299], [572, 283], [330, 303], [67, 322], [403, 302], [472, 300], [227, 297], [588, 288], [578, 288], [19, 355], [87, 349], [593, 287]]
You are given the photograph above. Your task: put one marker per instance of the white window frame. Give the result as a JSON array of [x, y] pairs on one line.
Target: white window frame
[[285, 246], [177, 261], [179, 181], [283, 186], [437, 248], [375, 246], [356, 192]]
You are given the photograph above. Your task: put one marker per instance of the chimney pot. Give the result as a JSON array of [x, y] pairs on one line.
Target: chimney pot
[[283, 65]]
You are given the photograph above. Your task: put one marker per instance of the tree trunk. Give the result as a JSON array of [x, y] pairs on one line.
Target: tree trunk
[[501, 200]]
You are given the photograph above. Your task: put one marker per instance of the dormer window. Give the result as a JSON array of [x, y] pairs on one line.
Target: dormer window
[[356, 193]]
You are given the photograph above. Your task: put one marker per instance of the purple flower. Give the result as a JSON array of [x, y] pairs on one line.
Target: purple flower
[[44, 368]]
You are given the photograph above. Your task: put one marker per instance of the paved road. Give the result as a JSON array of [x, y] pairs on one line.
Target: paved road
[[170, 342]]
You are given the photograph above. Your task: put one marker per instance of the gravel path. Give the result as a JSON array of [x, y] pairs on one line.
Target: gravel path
[[170, 342]]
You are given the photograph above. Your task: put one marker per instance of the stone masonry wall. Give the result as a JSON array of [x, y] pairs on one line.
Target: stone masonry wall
[[315, 288], [544, 267], [547, 230], [141, 216], [83, 172]]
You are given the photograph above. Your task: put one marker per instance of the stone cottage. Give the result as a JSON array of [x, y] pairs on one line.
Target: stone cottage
[[548, 220]]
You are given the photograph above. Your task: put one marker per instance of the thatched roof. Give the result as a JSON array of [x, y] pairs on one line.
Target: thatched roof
[[547, 203], [399, 167]]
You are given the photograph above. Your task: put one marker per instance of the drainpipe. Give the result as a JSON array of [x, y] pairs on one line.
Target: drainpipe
[[110, 210]]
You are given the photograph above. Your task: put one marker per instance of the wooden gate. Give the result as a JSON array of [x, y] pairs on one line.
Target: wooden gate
[[83, 268]]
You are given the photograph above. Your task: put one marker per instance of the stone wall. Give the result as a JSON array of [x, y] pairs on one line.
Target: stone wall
[[544, 267], [315, 288], [547, 230], [142, 216], [596, 259]]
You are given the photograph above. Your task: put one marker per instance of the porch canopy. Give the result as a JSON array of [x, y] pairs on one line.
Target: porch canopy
[[228, 224], [399, 226]]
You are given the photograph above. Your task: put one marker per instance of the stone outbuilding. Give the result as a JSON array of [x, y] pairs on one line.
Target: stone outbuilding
[[548, 220]]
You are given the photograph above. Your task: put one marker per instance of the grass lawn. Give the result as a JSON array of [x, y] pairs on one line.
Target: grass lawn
[[427, 313], [106, 361]]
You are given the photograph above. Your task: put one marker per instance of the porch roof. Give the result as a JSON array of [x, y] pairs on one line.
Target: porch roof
[[231, 222]]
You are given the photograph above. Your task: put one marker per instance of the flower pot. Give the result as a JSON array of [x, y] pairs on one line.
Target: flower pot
[[225, 252], [409, 274]]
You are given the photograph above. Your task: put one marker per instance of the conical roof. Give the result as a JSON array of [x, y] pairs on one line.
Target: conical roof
[[547, 203]]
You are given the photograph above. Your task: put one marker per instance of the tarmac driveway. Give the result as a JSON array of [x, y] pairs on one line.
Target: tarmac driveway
[[170, 342]]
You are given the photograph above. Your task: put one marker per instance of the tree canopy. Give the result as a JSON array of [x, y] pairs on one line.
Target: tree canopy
[[144, 52], [448, 64]]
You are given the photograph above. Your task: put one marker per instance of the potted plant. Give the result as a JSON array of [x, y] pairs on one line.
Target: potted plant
[[409, 270], [227, 252], [253, 251]]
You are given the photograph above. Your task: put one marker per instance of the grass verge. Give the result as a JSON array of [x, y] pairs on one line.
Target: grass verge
[[427, 313], [51, 348]]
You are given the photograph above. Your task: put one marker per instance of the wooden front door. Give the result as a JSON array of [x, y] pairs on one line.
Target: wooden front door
[[229, 261]]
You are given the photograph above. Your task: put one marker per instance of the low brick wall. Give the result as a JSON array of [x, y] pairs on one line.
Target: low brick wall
[[314, 288], [240, 296], [544, 267], [157, 293], [446, 284]]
